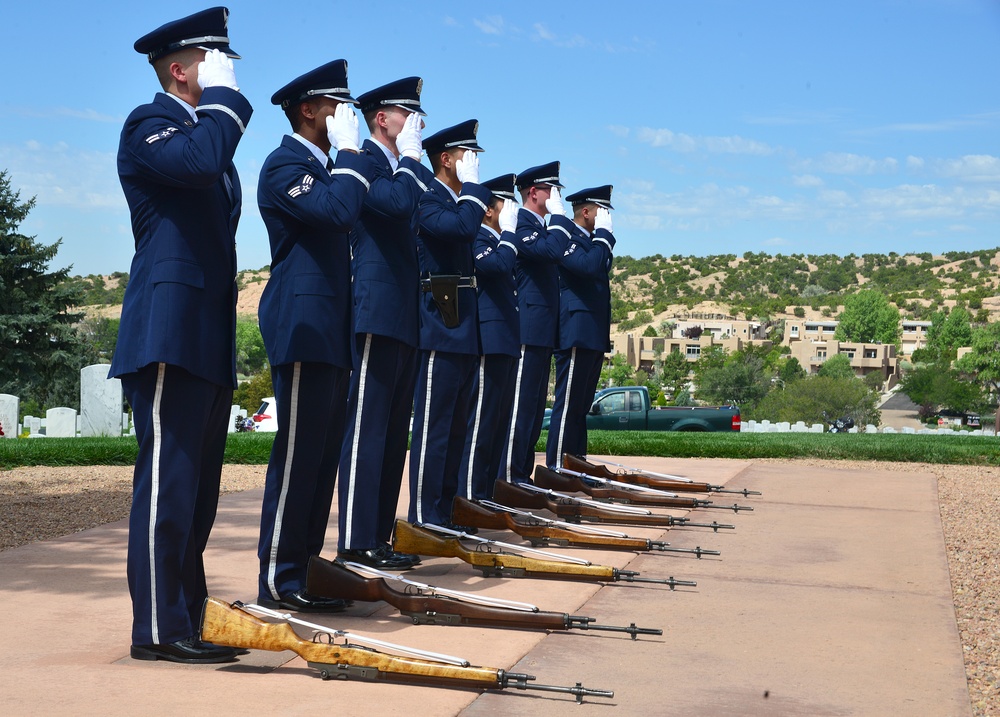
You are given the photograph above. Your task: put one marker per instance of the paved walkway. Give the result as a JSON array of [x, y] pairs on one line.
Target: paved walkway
[[831, 598]]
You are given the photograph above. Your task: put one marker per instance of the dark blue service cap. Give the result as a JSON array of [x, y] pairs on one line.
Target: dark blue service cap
[[459, 136], [601, 196], [208, 29], [329, 80], [502, 186], [544, 174], [403, 93]]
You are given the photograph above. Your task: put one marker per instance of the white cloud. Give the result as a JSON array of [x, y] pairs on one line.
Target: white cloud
[[618, 130], [972, 167], [681, 142], [914, 162], [542, 32], [848, 163], [492, 25], [60, 175], [449, 21], [807, 180], [776, 241]]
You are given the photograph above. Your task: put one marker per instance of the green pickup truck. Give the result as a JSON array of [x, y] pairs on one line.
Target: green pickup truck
[[626, 408]]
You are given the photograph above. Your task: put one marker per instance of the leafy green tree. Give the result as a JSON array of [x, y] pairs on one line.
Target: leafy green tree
[[250, 393], [674, 371], [838, 366], [948, 333], [868, 317], [251, 357], [982, 364], [650, 331], [618, 373], [40, 351], [744, 380], [806, 400], [101, 335], [791, 370]]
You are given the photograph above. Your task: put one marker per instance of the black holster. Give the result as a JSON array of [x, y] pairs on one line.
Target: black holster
[[444, 292]]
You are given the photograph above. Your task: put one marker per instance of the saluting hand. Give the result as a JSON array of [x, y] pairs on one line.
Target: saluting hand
[[603, 219], [216, 70], [508, 216], [467, 167], [342, 128], [409, 141], [554, 204]]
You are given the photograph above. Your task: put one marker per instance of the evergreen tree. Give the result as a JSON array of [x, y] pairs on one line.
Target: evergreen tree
[[40, 351]]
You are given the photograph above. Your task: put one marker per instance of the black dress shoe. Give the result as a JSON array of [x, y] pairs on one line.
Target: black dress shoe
[[381, 557], [190, 650], [301, 601], [467, 529], [415, 559]]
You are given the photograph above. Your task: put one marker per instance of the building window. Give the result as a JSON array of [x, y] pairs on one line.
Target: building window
[[693, 350], [871, 353]]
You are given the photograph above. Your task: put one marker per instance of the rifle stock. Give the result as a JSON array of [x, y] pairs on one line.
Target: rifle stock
[[582, 465], [409, 538], [514, 495], [225, 624], [465, 512], [331, 579], [563, 482]]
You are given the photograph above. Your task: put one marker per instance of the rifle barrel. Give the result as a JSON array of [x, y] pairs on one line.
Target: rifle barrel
[[523, 682], [630, 576]]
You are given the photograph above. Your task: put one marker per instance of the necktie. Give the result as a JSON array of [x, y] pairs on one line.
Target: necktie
[[329, 165]]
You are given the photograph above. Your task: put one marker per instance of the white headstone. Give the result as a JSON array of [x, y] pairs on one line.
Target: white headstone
[[60, 422], [100, 402], [817, 428], [871, 428], [888, 429], [909, 430], [10, 407], [234, 411], [783, 426], [34, 425]]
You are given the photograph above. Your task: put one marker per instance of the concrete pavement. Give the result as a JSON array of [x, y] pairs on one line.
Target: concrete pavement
[[831, 598]]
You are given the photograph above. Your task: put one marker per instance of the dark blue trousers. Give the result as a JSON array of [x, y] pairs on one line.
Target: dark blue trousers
[[181, 422], [374, 452], [489, 424], [440, 422], [301, 473], [531, 386], [577, 373]]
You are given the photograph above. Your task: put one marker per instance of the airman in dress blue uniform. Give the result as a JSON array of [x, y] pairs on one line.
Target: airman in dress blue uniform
[[177, 341], [386, 295], [584, 321], [494, 253], [540, 250], [309, 203], [450, 216]]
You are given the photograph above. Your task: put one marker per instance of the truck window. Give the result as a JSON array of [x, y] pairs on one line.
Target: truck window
[[634, 401], [610, 404]]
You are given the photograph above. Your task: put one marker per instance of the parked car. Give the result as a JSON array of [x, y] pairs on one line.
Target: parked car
[[627, 408], [266, 417]]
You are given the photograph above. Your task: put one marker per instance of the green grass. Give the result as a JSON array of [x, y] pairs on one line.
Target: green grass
[[255, 448]]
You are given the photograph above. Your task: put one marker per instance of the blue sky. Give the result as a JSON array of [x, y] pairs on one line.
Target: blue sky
[[726, 126]]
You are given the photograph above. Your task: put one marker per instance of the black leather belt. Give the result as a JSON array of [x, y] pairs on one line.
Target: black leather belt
[[459, 282]]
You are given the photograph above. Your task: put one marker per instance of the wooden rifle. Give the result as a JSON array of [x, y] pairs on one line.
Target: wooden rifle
[[662, 481], [564, 479], [541, 531], [430, 605], [490, 558], [238, 625], [574, 509]]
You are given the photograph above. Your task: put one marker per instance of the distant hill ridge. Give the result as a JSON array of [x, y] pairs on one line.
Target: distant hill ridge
[[648, 290]]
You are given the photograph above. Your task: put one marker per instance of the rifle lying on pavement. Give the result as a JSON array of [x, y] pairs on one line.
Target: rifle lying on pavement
[[575, 509], [493, 561], [662, 481], [237, 625], [430, 605], [541, 531], [564, 479]]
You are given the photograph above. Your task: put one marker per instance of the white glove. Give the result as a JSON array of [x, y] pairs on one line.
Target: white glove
[[554, 204], [508, 216], [409, 141], [342, 128], [467, 167], [216, 70], [603, 219]]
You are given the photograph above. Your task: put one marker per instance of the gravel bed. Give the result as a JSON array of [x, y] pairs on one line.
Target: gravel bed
[[42, 503]]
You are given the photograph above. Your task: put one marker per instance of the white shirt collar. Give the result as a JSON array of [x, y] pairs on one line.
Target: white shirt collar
[[491, 230], [317, 152], [585, 232], [539, 217], [190, 110], [393, 159], [450, 190]]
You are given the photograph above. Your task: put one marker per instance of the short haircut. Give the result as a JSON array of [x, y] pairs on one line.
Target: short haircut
[[161, 66]]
